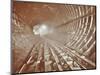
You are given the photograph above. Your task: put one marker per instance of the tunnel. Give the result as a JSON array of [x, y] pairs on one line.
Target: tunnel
[[51, 37]]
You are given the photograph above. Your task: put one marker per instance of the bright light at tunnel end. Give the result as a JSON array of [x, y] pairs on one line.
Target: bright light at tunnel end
[[41, 29]]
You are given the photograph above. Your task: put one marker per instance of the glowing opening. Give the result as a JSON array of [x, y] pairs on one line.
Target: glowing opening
[[40, 29]]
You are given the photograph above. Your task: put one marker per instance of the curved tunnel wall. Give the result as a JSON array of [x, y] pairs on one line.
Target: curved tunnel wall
[[70, 46]]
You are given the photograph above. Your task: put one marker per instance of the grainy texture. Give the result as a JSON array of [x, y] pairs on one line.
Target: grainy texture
[[66, 42]]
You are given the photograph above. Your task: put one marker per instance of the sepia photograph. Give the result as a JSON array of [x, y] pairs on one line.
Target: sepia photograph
[[52, 37]]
